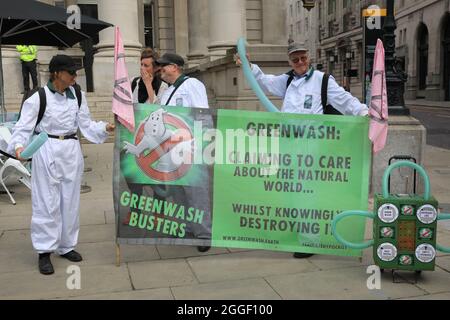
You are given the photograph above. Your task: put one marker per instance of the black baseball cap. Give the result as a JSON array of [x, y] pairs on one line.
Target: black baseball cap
[[62, 62], [170, 58]]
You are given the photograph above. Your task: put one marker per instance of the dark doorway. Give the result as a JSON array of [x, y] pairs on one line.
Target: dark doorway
[[446, 56], [148, 24], [422, 56], [90, 10]]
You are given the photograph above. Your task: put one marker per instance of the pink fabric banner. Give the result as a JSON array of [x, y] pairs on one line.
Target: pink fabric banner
[[378, 110], [122, 104]]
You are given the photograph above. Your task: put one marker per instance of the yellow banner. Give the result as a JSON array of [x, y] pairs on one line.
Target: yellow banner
[[374, 13]]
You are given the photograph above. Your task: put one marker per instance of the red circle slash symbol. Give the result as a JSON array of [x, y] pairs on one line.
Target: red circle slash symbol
[[147, 161]]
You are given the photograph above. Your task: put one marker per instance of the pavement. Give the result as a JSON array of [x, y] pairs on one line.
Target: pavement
[[182, 273]]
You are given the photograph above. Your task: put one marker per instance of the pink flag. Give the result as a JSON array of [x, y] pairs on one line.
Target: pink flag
[[378, 110], [122, 104]]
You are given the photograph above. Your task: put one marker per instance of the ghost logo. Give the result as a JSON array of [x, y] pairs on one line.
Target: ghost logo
[[163, 147]]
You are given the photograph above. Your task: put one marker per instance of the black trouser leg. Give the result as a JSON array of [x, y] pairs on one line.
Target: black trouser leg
[[26, 79], [33, 72]]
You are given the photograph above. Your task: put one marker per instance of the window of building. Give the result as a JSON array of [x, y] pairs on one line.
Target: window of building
[[306, 24], [331, 28], [148, 24], [291, 10], [298, 8], [331, 6], [299, 27], [320, 11]]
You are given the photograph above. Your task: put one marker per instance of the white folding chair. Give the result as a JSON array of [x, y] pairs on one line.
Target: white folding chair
[[19, 171]]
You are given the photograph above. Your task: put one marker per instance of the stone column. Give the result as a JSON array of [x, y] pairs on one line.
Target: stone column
[[274, 22], [124, 14], [227, 24], [198, 31]]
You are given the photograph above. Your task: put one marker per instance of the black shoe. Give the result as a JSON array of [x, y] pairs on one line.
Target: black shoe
[[203, 249], [45, 264], [301, 255], [72, 256]]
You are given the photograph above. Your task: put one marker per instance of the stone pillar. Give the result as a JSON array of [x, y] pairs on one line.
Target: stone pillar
[[227, 25], [274, 22], [124, 14], [406, 137], [181, 27], [198, 31]]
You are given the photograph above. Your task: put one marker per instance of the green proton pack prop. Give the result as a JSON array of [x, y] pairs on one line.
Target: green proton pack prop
[[404, 228]]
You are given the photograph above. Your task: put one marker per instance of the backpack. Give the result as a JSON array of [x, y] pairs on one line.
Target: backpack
[[43, 101], [327, 108]]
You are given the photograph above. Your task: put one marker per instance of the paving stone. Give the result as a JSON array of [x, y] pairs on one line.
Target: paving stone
[[33, 285], [247, 265], [253, 289], [153, 294], [161, 274], [171, 252], [346, 284], [104, 253]]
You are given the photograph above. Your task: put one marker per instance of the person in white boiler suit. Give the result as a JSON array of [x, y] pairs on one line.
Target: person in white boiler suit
[[58, 165]]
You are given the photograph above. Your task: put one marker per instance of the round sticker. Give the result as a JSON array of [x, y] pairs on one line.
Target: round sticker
[[407, 210], [405, 260], [388, 213], [387, 232], [425, 253], [427, 214], [387, 252], [426, 233]]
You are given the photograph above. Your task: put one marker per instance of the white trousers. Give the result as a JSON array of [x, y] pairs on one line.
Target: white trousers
[[57, 169]]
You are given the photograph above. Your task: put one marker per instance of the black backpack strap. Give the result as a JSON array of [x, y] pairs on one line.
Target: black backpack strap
[[134, 84], [290, 79], [78, 95], [42, 105], [327, 108], [176, 88], [324, 91]]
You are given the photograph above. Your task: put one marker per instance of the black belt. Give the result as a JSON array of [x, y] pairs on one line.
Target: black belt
[[72, 136]]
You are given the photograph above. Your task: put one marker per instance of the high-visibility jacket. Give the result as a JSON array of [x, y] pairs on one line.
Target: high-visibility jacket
[[27, 53]]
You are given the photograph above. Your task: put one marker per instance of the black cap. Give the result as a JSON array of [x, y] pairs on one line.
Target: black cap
[[170, 58], [62, 62]]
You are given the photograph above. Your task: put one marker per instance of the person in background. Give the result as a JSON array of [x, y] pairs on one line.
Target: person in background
[[148, 88], [28, 55]]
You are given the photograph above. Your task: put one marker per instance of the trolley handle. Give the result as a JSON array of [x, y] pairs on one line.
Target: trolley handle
[[415, 166]]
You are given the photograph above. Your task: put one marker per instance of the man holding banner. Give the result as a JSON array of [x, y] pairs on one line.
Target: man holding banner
[[304, 90]]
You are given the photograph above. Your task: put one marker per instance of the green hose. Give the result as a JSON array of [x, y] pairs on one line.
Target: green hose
[[346, 214], [443, 216]]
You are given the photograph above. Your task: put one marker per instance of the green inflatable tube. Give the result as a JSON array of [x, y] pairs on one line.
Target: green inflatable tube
[[443, 216], [343, 215], [251, 78]]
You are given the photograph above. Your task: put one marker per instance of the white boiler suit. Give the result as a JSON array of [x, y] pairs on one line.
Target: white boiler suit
[[57, 167]]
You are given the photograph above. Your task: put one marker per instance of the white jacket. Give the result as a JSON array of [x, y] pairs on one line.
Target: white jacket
[[304, 94]]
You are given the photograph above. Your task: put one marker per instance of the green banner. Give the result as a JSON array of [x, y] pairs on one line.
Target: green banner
[[286, 200], [241, 179]]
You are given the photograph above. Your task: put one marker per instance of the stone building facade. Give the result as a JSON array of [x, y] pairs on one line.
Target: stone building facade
[[423, 42], [205, 32]]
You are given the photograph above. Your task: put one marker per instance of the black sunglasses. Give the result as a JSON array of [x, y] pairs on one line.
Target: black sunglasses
[[71, 72], [297, 59]]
